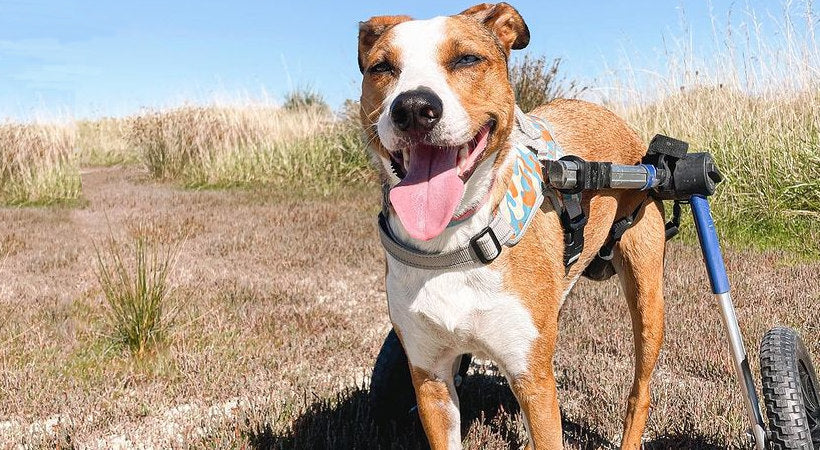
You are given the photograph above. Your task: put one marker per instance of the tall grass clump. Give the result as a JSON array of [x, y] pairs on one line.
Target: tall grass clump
[[103, 142], [37, 165], [536, 81], [135, 283], [218, 146], [755, 106]]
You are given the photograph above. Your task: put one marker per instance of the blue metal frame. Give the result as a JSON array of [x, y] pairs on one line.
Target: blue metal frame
[[709, 244], [720, 287]]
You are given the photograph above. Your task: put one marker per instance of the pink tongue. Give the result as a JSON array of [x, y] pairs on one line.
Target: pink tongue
[[426, 199]]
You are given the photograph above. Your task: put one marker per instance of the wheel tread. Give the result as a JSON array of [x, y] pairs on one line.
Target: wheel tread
[[782, 393]]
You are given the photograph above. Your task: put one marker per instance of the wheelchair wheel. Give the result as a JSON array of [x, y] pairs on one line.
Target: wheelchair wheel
[[790, 390], [392, 397]]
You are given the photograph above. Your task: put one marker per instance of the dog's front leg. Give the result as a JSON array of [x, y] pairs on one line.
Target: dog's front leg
[[438, 408], [537, 394]]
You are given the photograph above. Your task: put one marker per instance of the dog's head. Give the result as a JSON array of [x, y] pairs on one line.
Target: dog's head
[[437, 108]]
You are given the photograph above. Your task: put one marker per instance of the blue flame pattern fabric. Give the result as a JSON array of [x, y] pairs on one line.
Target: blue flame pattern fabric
[[525, 190]]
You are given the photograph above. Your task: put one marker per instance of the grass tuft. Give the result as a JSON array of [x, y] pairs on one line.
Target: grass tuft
[[755, 105], [36, 164], [137, 292]]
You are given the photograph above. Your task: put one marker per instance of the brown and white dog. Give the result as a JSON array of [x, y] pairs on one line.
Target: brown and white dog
[[438, 109]]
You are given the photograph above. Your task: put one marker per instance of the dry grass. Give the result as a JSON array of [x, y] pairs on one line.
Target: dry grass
[[304, 145], [103, 143], [756, 106], [281, 314], [36, 164], [221, 146], [281, 301], [768, 148]]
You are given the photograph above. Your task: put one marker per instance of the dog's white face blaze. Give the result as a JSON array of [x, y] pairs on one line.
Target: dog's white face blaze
[[418, 43]]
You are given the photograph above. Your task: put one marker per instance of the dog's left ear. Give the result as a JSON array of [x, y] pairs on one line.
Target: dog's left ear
[[504, 21], [372, 30]]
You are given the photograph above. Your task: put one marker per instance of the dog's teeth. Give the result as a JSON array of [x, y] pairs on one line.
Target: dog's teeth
[[465, 150], [405, 160], [463, 153]]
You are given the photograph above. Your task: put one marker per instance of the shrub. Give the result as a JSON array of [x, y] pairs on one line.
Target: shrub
[[304, 98], [535, 81]]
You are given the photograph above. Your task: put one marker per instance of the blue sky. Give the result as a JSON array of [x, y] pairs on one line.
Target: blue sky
[[90, 59]]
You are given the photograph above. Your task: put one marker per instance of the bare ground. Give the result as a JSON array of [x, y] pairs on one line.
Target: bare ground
[[281, 312]]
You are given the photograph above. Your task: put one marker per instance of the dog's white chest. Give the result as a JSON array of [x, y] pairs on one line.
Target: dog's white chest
[[441, 314]]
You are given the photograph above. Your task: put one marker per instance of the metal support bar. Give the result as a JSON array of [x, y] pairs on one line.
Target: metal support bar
[[564, 175], [720, 287], [632, 177]]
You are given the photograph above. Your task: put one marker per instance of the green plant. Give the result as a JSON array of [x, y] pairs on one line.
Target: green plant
[[137, 292], [755, 105]]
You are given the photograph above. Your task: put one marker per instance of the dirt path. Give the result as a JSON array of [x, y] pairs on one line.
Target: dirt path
[[281, 311]]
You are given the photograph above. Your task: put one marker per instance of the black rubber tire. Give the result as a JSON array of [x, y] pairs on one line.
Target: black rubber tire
[[392, 397], [790, 391], [391, 389]]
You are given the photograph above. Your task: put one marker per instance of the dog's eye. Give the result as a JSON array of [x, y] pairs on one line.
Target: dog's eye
[[466, 60], [381, 67]]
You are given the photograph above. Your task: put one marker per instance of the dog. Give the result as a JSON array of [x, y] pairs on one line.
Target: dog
[[439, 113]]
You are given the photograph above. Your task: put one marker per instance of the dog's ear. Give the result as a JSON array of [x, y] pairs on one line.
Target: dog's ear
[[370, 31], [504, 21]]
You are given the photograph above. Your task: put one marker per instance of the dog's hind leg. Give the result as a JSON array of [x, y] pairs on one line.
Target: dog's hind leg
[[438, 409], [639, 263]]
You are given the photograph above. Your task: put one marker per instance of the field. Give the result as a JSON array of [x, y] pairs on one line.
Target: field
[[210, 275], [280, 311]]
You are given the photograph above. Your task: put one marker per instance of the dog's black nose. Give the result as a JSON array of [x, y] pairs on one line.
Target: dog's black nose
[[416, 110]]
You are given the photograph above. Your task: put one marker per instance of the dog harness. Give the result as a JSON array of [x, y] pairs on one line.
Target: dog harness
[[532, 145]]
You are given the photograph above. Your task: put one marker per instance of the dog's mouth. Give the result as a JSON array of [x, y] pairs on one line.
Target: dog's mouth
[[468, 153], [432, 182]]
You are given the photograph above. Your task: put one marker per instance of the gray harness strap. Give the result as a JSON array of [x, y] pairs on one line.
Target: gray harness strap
[[483, 248]]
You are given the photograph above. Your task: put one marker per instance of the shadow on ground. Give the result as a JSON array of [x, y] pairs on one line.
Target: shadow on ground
[[345, 422]]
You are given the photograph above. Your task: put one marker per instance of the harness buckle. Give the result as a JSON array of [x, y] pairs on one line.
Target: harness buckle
[[573, 220], [478, 243], [573, 245], [574, 223]]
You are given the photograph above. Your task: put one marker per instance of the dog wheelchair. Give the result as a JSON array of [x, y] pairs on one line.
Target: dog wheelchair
[[791, 392]]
